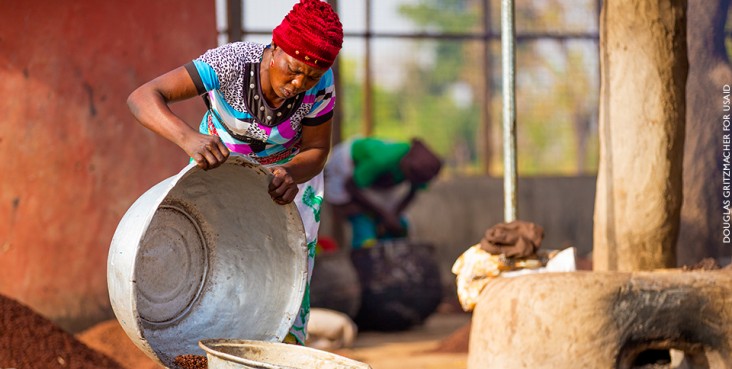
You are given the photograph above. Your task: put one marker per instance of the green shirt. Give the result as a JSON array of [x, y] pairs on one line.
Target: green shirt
[[373, 158]]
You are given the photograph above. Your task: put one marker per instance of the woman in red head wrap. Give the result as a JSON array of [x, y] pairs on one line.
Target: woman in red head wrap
[[273, 103]]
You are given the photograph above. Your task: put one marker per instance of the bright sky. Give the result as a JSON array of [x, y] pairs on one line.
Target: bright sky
[[265, 15], [386, 53]]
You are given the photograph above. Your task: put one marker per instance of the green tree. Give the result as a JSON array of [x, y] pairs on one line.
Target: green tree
[[441, 96]]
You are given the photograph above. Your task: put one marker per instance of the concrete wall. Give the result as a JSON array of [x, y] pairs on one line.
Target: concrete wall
[[454, 213], [72, 157]]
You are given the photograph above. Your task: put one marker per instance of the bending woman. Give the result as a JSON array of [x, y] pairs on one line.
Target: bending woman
[[273, 103]]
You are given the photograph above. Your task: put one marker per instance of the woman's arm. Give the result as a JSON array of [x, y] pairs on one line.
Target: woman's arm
[[305, 165], [407, 198], [383, 214], [149, 104]]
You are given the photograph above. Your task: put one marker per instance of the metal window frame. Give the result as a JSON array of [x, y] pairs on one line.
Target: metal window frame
[[237, 30]]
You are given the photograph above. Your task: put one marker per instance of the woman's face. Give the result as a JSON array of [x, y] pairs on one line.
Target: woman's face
[[290, 76]]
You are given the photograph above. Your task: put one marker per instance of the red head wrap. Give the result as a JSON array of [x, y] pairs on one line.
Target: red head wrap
[[310, 33]]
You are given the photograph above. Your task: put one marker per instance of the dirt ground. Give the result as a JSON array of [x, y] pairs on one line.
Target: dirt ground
[[421, 347], [418, 348], [441, 342]]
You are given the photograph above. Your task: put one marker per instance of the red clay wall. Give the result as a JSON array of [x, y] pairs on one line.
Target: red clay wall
[[72, 158]]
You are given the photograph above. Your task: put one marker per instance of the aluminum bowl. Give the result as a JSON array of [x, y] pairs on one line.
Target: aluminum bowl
[[243, 354], [207, 254]]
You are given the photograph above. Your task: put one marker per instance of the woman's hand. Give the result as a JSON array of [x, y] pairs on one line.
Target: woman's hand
[[283, 187], [207, 151], [303, 166], [392, 224]]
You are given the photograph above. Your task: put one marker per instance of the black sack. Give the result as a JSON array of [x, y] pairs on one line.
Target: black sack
[[400, 284]]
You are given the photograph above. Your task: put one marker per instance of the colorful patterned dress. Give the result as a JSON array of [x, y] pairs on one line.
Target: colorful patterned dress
[[240, 116]]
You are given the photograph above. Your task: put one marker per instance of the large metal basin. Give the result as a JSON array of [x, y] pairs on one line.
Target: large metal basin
[[207, 254], [244, 354]]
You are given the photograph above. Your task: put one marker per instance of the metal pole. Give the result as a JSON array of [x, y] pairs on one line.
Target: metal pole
[[234, 16], [337, 135], [368, 97], [508, 63], [487, 137], [338, 227]]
